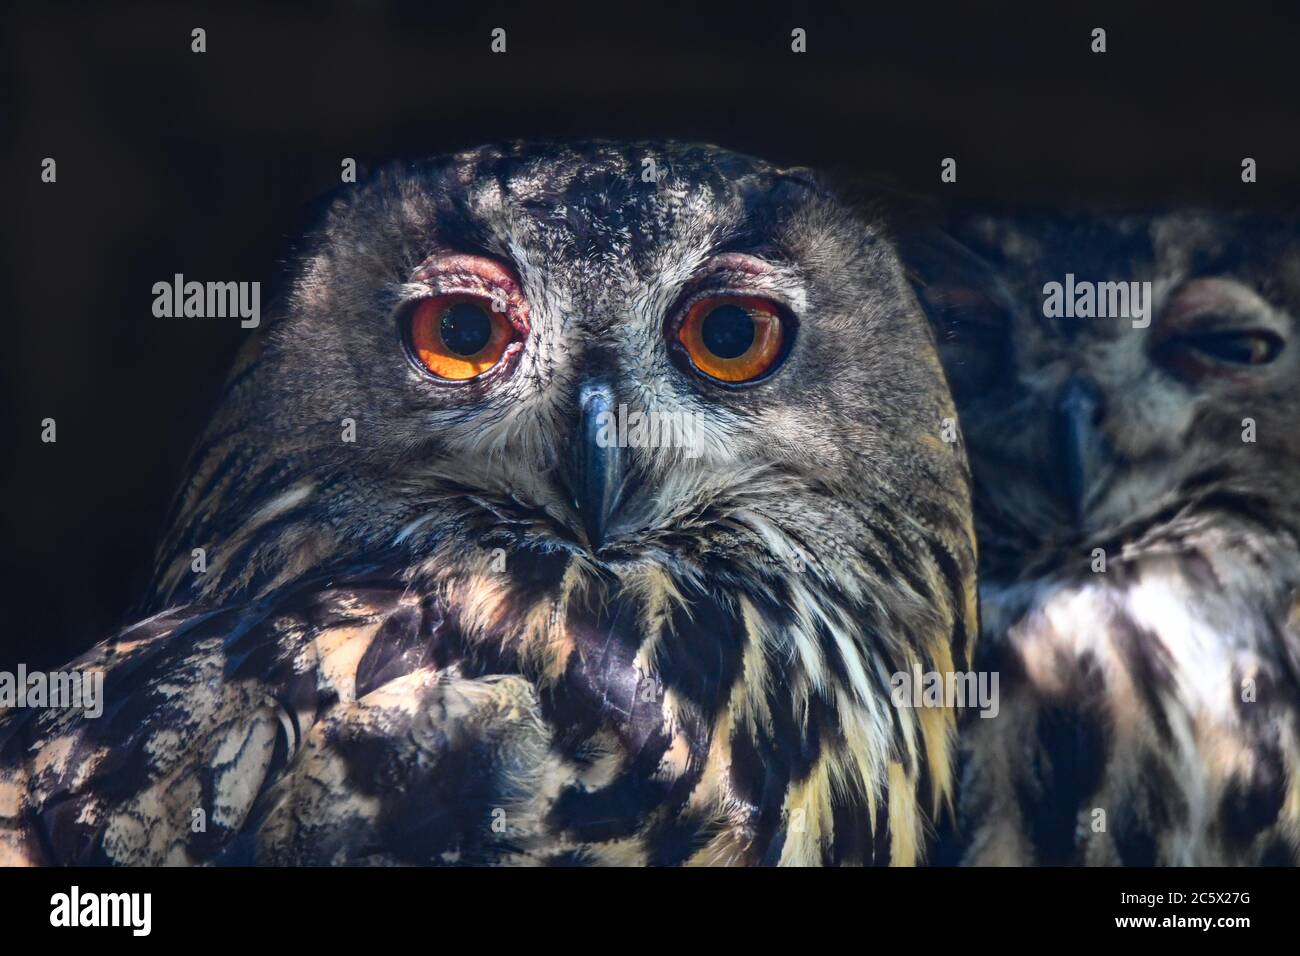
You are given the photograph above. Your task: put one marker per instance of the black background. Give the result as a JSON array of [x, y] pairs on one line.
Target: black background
[[170, 161], [510, 909]]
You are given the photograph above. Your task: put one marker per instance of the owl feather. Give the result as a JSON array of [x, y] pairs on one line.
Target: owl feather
[[1138, 517], [469, 634]]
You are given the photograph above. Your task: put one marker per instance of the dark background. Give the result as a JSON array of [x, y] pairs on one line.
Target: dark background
[[170, 161]]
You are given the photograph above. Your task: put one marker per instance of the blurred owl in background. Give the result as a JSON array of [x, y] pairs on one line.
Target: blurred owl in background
[[562, 514], [1137, 495]]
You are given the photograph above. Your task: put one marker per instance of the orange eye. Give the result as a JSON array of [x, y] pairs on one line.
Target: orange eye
[[733, 338], [458, 337]]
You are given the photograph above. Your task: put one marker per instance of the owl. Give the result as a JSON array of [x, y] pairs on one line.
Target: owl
[[1129, 387], [560, 514]]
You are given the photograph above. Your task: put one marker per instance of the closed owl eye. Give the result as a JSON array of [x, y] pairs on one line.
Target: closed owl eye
[[1229, 352], [734, 339], [1218, 328], [1236, 348], [459, 336]]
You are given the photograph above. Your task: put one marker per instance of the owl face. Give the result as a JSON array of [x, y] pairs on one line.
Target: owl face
[[1084, 428], [598, 349]]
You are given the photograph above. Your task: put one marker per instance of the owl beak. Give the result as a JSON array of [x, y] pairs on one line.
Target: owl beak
[[1081, 452], [596, 464]]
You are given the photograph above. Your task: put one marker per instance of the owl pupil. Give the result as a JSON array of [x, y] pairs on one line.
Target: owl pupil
[[465, 329], [727, 331]]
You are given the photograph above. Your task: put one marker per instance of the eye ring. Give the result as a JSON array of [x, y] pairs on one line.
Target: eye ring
[[733, 340], [459, 337]]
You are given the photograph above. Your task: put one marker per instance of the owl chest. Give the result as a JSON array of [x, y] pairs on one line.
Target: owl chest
[[1160, 712]]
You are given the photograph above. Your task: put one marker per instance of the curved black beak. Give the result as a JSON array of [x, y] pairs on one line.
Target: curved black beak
[[1081, 451], [596, 462]]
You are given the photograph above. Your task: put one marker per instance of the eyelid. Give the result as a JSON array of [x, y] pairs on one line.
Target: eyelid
[[748, 274], [466, 274], [1210, 320], [1208, 305], [482, 267], [744, 276]]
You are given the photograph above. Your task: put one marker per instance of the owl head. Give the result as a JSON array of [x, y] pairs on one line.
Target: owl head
[[597, 349], [1116, 371]]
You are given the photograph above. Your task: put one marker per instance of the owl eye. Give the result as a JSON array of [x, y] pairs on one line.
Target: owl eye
[[1238, 348], [734, 339], [459, 337], [1203, 353]]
